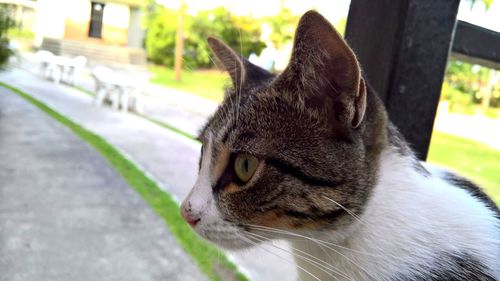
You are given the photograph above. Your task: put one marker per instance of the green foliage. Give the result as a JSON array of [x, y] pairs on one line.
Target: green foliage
[[283, 27], [160, 39], [464, 85], [458, 100], [20, 33], [466, 77], [241, 33], [6, 23], [487, 3]]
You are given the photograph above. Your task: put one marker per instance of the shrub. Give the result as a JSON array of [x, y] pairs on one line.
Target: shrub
[[160, 38], [458, 100], [241, 33], [6, 22]]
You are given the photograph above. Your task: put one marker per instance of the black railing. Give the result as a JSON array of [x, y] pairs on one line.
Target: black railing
[[476, 45], [403, 47]]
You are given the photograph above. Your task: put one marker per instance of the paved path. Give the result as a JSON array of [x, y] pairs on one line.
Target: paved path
[[168, 157], [474, 127], [65, 214]]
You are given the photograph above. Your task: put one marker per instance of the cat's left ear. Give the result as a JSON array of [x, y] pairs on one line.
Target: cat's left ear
[[242, 72], [323, 70]]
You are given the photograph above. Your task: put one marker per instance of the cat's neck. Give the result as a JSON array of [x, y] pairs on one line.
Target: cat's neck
[[411, 218]]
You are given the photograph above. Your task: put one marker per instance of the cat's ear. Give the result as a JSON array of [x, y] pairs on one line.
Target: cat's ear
[[323, 68], [229, 59], [241, 71]]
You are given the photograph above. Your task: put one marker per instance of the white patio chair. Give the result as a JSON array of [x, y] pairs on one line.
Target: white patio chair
[[44, 59], [132, 92], [71, 73], [105, 86], [131, 97]]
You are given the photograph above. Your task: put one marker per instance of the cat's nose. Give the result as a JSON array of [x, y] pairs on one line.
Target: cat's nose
[[188, 214]]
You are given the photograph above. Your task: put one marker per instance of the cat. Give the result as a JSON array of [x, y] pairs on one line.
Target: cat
[[310, 156]]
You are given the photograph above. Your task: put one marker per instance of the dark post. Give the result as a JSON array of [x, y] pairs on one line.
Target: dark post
[[403, 48]]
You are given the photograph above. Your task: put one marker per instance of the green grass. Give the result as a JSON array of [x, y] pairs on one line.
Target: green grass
[[83, 90], [474, 160], [170, 127], [205, 83], [206, 256]]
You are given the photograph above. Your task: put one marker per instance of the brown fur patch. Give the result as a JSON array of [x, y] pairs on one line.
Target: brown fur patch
[[221, 160], [231, 188]]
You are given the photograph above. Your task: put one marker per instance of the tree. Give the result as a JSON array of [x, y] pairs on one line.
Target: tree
[[6, 23], [241, 33], [283, 26]]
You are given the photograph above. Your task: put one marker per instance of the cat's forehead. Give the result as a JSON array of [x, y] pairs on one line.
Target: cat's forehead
[[237, 105], [265, 120]]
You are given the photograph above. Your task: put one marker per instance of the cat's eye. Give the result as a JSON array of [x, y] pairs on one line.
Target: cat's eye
[[245, 166]]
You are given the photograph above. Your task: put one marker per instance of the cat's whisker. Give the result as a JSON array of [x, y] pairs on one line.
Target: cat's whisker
[[281, 231], [314, 263], [345, 209], [322, 265], [248, 239], [325, 244]]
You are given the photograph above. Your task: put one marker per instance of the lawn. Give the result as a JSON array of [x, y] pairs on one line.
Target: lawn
[[474, 160], [205, 83]]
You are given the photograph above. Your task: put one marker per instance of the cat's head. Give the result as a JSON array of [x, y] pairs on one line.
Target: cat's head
[[290, 152]]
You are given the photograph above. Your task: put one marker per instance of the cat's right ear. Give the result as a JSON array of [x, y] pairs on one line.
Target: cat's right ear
[[242, 72], [324, 72]]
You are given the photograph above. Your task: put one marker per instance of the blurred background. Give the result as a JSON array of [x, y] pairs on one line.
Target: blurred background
[[139, 75]]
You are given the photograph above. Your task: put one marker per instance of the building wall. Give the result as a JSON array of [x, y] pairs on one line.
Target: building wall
[[70, 19], [49, 20], [77, 17], [136, 33], [115, 24]]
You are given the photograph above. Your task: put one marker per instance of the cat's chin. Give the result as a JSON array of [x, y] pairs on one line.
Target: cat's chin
[[233, 245], [229, 241], [225, 235]]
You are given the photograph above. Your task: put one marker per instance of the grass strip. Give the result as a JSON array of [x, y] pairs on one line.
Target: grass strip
[[206, 256], [169, 127]]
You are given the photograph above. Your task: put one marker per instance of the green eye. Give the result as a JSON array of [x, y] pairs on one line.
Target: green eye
[[245, 166]]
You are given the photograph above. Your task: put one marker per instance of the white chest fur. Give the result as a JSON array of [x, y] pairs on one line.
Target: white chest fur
[[410, 220]]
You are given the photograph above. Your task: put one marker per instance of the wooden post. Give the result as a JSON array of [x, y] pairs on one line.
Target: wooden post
[[179, 40], [493, 78]]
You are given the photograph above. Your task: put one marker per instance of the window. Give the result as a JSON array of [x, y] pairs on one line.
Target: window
[[96, 13]]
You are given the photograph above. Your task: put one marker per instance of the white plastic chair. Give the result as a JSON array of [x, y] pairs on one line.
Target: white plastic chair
[[44, 59], [132, 94], [105, 86], [73, 72]]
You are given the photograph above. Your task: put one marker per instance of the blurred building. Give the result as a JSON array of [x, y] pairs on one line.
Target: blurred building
[[105, 31], [22, 11]]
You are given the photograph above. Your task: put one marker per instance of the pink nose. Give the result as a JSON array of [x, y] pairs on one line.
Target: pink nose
[[188, 215]]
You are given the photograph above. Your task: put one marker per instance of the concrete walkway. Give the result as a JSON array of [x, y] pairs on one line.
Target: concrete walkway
[[167, 157], [65, 213]]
